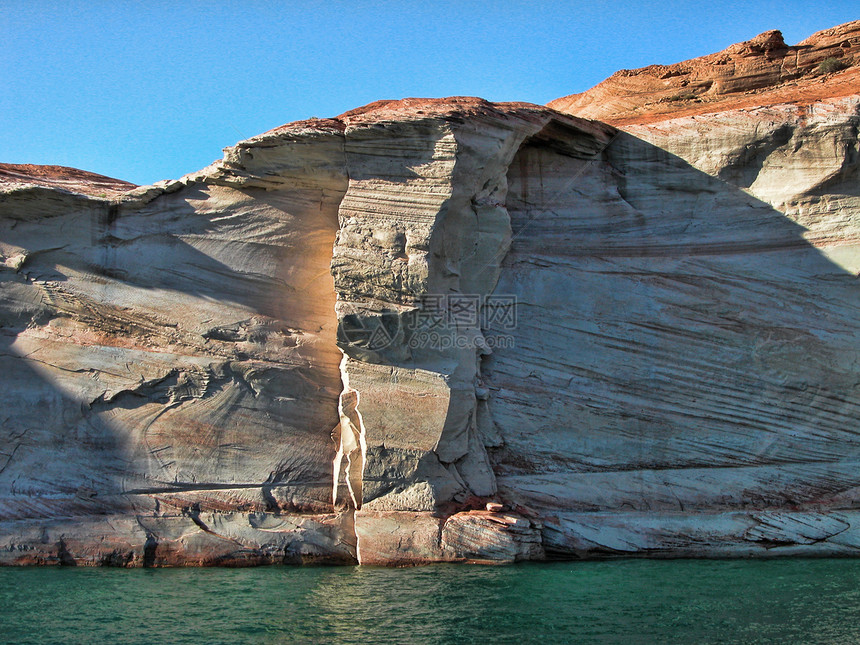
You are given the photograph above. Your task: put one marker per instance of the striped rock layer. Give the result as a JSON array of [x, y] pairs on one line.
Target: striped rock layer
[[441, 330]]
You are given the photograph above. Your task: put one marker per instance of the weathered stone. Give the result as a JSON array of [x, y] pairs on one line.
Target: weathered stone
[[398, 538], [349, 334], [760, 72], [177, 342]]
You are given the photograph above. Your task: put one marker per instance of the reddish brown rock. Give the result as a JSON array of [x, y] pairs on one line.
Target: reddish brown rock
[[404, 538], [482, 536], [759, 72], [71, 179]]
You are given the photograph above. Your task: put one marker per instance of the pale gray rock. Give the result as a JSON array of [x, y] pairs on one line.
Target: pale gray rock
[[174, 348], [687, 345], [349, 337]]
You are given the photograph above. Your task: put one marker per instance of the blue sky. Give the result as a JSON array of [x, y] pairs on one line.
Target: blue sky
[[148, 90]]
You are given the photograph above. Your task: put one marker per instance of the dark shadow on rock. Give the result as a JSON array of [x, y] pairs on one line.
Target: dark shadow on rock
[[679, 344]]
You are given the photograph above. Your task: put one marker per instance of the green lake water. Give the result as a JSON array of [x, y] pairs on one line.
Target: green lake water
[[628, 602]]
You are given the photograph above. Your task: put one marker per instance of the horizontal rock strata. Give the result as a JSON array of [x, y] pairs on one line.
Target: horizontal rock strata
[[447, 331], [760, 72], [772, 413]]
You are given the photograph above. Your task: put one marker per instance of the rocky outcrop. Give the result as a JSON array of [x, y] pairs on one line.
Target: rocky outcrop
[[443, 330], [171, 369], [60, 177], [175, 355], [690, 355], [423, 231], [788, 151], [760, 72]]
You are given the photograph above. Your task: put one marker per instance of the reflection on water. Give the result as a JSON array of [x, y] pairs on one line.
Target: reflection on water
[[634, 601]]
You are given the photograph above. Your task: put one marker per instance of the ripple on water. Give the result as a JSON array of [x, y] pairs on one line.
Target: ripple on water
[[629, 602]]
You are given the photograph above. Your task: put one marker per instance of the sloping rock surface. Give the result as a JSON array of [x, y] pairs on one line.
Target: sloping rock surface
[[760, 72], [71, 179], [444, 330], [169, 355]]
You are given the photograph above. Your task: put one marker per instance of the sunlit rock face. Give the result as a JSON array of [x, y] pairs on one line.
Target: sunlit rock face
[[170, 369], [441, 330], [423, 231], [176, 361], [759, 72]]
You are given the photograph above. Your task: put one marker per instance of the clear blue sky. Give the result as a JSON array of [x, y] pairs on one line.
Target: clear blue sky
[[148, 90]]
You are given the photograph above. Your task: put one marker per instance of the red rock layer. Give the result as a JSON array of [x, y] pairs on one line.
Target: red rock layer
[[759, 72], [77, 181]]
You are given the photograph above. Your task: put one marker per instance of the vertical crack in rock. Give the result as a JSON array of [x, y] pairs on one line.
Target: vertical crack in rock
[[423, 223], [351, 444]]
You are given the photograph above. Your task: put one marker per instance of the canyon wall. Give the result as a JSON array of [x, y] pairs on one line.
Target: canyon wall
[[171, 374], [449, 330], [690, 352], [740, 393]]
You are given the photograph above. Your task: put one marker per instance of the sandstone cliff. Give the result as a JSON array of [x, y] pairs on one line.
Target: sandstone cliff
[[446, 330], [759, 72]]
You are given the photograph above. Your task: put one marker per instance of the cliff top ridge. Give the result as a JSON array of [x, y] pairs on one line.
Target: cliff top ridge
[[71, 179], [758, 72]]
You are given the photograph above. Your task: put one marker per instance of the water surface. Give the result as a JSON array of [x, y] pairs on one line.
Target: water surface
[[629, 602]]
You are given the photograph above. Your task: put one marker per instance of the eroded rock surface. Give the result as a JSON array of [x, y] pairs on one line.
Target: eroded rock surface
[[759, 72], [170, 354], [449, 330], [61, 177], [685, 352]]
